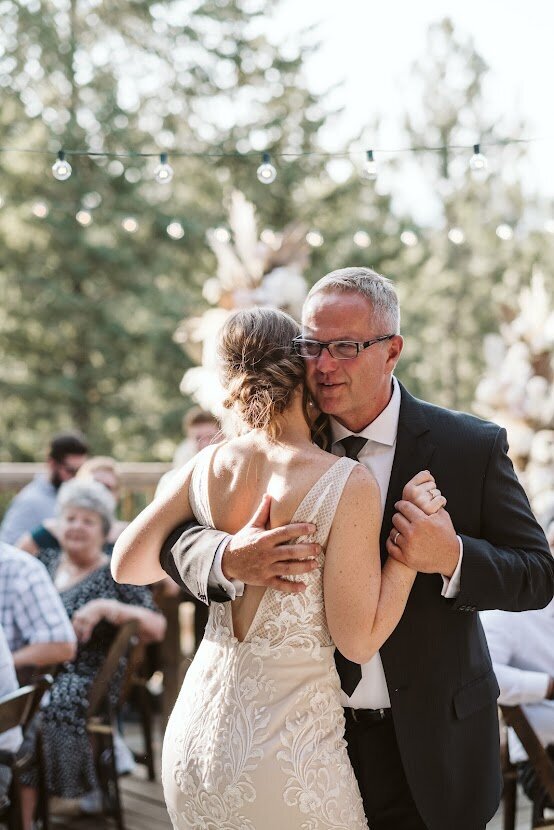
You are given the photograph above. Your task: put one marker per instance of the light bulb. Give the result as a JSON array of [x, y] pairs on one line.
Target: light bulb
[[61, 168], [505, 232], [40, 210], [362, 239], [164, 171], [408, 238], [83, 217], [369, 170], [456, 236], [315, 239], [478, 162], [129, 224], [266, 172], [175, 230], [222, 235]]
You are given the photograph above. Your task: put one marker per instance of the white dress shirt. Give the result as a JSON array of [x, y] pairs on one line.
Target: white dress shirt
[[522, 651], [378, 456]]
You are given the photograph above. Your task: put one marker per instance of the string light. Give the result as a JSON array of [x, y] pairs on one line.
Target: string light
[[222, 235], [369, 170], [505, 232], [408, 238], [129, 224], [40, 210], [456, 236], [266, 172], [61, 168], [314, 239], [83, 217], [92, 200], [175, 230], [362, 239], [164, 171], [478, 163]]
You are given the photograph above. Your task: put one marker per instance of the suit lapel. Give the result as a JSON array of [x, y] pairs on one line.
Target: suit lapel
[[414, 451]]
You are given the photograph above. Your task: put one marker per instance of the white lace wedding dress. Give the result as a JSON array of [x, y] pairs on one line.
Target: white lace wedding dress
[[255, 741]]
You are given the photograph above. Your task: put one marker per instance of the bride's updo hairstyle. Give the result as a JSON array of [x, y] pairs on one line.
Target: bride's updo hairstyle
[[260, 370]]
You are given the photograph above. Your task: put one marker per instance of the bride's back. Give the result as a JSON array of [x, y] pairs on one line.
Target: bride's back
[[244, 469], [240, 473]]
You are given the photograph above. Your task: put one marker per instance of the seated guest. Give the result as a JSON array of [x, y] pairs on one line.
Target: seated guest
[[37, 501], [522, 652], [96, 606], [101, 468], [11, 739], [32, 615]]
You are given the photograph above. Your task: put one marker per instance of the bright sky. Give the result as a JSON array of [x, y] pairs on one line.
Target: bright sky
[[371, 46]]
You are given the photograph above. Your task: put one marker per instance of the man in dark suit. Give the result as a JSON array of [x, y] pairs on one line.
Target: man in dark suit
[[421, 719]]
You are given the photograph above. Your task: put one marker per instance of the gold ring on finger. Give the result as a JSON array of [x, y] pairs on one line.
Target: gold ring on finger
[[396, 535]]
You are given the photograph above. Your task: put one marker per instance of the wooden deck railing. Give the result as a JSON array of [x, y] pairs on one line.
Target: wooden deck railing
[[138, 483]]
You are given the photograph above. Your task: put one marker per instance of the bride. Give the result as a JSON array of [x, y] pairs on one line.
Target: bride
[[256, 738]]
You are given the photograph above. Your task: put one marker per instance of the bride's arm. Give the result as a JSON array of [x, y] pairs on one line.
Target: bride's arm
[[135, 558], [363, 604]]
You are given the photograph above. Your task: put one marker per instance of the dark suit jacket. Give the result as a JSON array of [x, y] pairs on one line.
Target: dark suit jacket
[[439, 674]]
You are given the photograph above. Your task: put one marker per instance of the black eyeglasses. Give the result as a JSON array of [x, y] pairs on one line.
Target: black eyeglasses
[[339, 349]]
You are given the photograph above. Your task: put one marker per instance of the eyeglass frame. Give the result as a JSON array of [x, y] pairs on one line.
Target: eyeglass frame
[[360, 346]]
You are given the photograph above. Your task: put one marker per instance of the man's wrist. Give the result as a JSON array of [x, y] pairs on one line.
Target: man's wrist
[[227, 562], [453, 559]]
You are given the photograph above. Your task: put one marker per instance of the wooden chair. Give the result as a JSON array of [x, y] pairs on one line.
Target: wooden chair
[[18, 709], [514, 716], [101, 720], [135, 685]]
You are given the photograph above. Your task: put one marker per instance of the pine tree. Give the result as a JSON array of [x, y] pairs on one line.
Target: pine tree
[[448, 306], [91, 305]]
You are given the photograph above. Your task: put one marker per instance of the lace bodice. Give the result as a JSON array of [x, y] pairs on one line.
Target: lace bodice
[[284, 620]]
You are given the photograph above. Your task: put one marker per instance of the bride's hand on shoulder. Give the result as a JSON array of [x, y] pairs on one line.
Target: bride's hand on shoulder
[[422, 491]]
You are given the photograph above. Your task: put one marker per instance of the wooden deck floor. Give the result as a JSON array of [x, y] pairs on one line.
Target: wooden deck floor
[[145, 810], [144, 807]]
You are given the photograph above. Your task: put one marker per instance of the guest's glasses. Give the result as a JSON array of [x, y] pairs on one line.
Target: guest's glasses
[[338, 349]]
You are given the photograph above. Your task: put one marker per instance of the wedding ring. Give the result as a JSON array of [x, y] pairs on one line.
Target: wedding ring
[[396, 535], [434, 492]]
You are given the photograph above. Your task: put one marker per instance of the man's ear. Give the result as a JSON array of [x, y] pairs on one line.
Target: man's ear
[[395, 346]]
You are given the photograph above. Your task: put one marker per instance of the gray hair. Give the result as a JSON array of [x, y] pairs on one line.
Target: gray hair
[[377, 289], [87, 494]]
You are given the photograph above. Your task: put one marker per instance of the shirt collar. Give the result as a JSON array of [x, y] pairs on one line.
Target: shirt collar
[[383, 429]]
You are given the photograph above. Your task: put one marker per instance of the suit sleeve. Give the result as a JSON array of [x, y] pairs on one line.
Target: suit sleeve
[[187, 555], [510, 567]]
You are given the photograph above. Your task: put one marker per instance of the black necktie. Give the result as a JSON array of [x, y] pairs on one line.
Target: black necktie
[[353, 445], [350, 673]]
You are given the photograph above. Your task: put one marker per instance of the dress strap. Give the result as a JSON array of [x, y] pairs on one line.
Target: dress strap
[[320, 503]]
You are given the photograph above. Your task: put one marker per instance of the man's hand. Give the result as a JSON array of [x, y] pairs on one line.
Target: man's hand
[[424, 543], [257, 556]]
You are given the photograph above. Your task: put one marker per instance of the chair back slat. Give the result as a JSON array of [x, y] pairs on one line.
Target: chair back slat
[[514, 716], [17, 708], [125, 637]]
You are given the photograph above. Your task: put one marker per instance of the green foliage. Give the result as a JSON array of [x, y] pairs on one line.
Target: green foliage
[[89, 311]]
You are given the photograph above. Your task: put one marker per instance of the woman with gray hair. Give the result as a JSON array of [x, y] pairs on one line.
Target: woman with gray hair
[[96, 606]]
